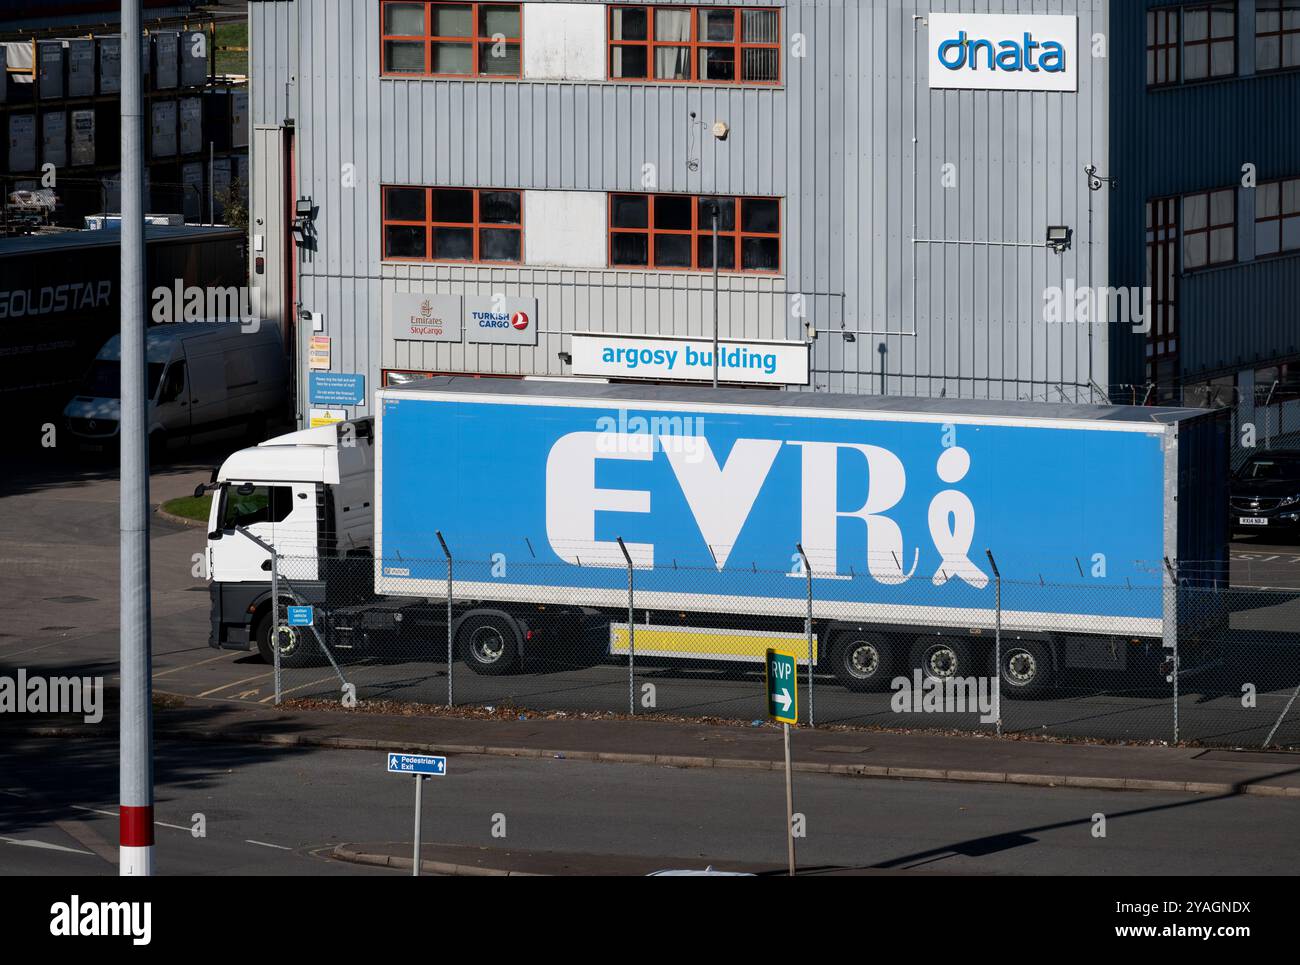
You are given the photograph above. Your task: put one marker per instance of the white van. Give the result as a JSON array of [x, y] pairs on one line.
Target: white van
[[205, 380]]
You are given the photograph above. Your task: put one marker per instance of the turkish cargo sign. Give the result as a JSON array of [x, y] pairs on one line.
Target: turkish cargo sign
[[757, 361], [974, 51], [497, 319]]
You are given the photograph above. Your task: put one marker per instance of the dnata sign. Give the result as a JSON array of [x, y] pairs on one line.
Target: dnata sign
[[972, 51]]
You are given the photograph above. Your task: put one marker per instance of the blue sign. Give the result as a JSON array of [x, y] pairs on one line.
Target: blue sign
[[894, 511], [336, 388], [417, 764], [301, 616]]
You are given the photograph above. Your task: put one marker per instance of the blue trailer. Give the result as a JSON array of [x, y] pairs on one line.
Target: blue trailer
[[901, 507], [729, 510]]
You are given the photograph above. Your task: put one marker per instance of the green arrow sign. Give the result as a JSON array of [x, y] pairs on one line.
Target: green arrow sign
[[782, 686]]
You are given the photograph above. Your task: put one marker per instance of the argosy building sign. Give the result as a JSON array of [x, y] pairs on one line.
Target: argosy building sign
[[970, 51], [894, 513]]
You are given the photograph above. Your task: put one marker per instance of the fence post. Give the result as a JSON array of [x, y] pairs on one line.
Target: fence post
[[631, 635], [997, 640], [808, 629], [275, 603], [447, 553], [1171, 633], [275, 620]]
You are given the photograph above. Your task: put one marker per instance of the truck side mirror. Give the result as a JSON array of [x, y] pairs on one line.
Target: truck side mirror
[[215, 534], [199, 490], [266, 565]]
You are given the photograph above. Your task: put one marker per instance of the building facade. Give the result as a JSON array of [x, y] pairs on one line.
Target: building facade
[[524, 189], [1206, 211], [914, 198]]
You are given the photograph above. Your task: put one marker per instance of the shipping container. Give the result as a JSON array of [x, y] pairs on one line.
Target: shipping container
[[80, 54], [54, 138], [191, 125], [83, 137], [50, 59], [195, 185], [166, 59], [162, 140], [194, 58], [22, 143], [220, 181], [216, 117], [112, 185], [20, 66], [239, 118], [110, 64]]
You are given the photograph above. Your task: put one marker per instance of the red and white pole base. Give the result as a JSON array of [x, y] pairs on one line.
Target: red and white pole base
[[135, 836]]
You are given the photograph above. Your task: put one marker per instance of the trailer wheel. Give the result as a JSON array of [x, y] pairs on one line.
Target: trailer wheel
[[296, 648], [1026, 669], [943, 657], [488, 644], [863, 661]]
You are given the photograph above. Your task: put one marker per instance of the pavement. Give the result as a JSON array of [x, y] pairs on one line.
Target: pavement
[[650, 741], [225, 807]]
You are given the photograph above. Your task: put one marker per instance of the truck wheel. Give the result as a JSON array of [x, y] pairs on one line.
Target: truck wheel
[[1026, 669], [296, 649], [862, 661], [943, 657], [488, 644]]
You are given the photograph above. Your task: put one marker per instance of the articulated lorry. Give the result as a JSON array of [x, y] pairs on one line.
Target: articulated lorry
[[905, 511]]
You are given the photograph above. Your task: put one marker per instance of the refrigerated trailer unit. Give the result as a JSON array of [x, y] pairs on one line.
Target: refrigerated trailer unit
[[717, 496]]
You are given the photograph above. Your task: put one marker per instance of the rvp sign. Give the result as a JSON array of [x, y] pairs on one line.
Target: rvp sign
[[971, 51], [782, 686]]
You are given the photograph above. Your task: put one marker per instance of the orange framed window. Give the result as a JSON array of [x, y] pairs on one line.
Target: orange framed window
[[476, 225], [675, 231], [687, 44], [442, 39]]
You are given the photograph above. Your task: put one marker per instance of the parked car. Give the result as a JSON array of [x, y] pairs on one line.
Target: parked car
[[205, 380], [1264, 495]]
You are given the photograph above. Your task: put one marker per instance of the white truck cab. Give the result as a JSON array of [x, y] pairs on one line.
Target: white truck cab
[[309, 495]]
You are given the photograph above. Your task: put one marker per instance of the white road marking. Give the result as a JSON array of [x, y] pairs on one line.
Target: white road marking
[[310, 683], [199, 663], [235, 683], [114, 814], [28, 843], [263, 844]]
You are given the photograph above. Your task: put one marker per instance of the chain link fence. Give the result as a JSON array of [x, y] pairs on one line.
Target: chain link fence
[[1222, 669]]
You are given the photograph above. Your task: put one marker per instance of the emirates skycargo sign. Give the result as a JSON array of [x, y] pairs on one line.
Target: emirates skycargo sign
[[974, 51]]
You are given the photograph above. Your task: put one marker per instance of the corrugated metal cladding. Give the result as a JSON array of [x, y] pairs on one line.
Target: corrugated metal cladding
[[1194, 137], [943, 286]]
